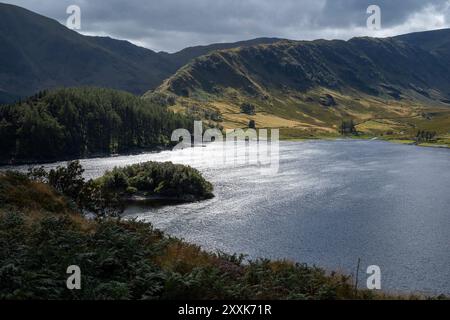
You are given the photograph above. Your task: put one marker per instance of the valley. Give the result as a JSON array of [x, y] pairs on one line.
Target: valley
[[146, 217], [304, 88]]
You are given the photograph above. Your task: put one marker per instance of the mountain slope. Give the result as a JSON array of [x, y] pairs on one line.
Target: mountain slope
[[313, 85], [39, 53], [365, 64], [437, 41], [184, 56]]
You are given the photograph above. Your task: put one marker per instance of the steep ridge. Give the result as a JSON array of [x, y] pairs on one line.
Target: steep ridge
[[313, 85]]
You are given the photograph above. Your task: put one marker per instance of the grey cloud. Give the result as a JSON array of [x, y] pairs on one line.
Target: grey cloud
[[174, 24], [340, 13]]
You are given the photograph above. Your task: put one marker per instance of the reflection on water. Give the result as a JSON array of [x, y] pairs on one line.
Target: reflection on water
[[330, 204]]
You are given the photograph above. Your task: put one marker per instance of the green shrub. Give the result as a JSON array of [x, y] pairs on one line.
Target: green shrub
[[248, 108]]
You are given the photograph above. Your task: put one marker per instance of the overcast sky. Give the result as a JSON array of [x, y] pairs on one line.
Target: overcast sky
[[170, 25]]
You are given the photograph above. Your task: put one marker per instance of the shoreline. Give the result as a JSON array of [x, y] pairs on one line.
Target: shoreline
[[159, 201], [159, 149], [31, 162], [408, 142]]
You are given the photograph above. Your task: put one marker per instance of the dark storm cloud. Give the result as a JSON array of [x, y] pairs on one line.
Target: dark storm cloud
[[174, 24]]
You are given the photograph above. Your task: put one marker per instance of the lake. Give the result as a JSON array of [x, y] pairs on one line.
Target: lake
[[331, 203]]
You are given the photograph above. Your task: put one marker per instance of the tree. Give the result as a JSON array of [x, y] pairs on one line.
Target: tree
[[7, 138], [248, 108], [425, 136], [90, 196], [348, 127], [100, 201], [68, 180]]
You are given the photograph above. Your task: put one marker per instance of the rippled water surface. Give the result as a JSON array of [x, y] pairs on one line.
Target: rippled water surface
[[330, 204]]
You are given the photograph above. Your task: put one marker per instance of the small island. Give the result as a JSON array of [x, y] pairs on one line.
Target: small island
[[148, 183], [152, 182]]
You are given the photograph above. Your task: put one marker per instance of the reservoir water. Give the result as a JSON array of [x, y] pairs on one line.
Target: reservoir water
[[331, 203]]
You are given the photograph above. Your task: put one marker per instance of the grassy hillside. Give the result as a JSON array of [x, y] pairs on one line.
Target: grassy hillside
[[308, 88], [41, 235]]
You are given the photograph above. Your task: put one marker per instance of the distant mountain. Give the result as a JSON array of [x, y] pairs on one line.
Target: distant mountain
[[39, 53], [315, 84], [373, 66]]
